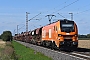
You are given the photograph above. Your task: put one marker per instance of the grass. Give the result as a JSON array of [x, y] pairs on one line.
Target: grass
[[24, 53]]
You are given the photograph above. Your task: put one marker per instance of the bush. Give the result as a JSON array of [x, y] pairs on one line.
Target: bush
[[6, 36]]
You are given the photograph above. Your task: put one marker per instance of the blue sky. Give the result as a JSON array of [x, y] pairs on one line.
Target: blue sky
[[13, 13]]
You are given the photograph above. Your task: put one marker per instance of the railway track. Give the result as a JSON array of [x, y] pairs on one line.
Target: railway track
[[79, 54]]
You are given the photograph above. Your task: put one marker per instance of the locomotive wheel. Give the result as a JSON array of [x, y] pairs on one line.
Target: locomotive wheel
[[43, 43], [52, 45]]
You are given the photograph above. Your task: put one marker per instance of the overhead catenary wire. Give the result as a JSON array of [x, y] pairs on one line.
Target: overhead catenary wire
[[84, 6], [34, 17], [62, 3], [61, 15], [21, 27], [30, 19], [83, 11], [57, 6], [66, 6]]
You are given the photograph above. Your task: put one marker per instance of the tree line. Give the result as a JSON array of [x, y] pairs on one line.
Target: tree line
[[84, 36]]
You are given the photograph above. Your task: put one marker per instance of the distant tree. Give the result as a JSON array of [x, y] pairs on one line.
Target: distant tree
[[6, 36], [78, 35], [88, 35], [82, 36], [0, 36]]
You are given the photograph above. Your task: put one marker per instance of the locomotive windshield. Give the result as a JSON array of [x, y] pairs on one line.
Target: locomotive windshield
[[67, 26]]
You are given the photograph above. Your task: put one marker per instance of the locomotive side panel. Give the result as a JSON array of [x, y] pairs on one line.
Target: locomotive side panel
[[48, 32], [49, 35]]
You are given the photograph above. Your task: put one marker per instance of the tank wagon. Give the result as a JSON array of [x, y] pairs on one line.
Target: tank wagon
[[59, 34]]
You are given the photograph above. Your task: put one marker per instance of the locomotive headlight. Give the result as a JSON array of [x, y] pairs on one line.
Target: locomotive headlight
[[59, 35], [76, 35], [75, 43], [62, 43]]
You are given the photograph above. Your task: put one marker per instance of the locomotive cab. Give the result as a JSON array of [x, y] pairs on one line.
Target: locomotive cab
[[68, 34]]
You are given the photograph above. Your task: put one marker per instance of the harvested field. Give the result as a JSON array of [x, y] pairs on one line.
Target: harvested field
[[2, 44], [6, 51], [84, 44]]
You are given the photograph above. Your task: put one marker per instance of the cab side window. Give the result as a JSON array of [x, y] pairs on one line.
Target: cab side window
[[56, 28]]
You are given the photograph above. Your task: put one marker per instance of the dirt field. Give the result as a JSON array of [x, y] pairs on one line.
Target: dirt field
[[2, 44], [6, 51], [84, 44]]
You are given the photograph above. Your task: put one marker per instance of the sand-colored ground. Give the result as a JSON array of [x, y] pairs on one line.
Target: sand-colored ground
[[84, 44], [2, 44]]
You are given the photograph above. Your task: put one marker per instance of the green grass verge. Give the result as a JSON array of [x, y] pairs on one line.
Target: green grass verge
[[24, 53]]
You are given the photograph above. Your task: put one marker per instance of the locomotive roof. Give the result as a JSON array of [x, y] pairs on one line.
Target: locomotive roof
[[66, 20], [59, 20], [63, 20]]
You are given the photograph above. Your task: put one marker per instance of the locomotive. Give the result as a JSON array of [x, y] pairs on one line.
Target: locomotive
[[59, 34]]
